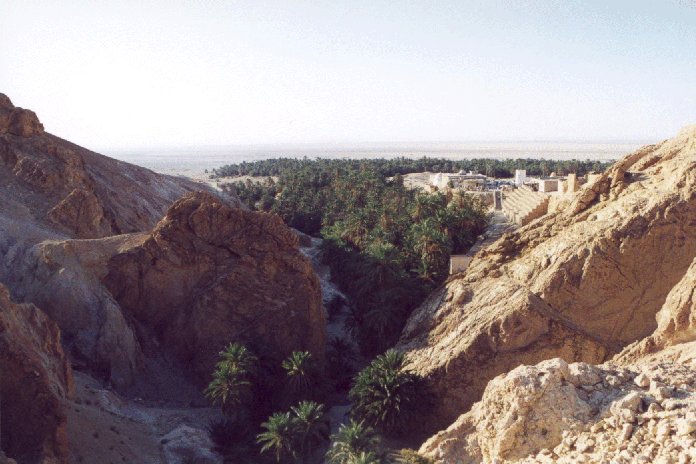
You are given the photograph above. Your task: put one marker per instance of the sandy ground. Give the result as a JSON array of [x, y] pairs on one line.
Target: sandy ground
[[105, 428], [417, 180]]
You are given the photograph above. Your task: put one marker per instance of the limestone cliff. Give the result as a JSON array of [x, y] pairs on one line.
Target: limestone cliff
[[579, 284], [35, 380]]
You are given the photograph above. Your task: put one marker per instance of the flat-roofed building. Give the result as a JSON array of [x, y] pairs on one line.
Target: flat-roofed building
[[520, 176], [548, 185]]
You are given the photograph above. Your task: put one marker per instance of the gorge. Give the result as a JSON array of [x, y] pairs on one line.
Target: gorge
[[571, 339]]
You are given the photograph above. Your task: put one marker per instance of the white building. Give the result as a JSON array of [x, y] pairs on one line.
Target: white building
[[520, 176], [467, 181]]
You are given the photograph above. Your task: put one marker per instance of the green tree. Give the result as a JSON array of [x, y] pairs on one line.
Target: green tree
[[366, 457], [239, 356], [301, 373], [387, 395], [232, 384], [431, 247], [312, 427], [280, 436], [351, 440]]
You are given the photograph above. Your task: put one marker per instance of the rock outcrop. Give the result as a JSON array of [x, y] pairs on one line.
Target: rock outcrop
[[676, 321], [209, 274], [60, 186], [555, 412], [63, 277], [54, 193], [579, 284], [18, 121], [35, 381]]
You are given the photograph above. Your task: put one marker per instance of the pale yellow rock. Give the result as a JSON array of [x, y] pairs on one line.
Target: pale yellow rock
[[615, 267]]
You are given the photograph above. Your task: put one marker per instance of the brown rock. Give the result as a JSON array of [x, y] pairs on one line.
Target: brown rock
[[81, 214], [209, 274], [35, 381], [51, 191], [60, 186], [24, 123], [676, 320]]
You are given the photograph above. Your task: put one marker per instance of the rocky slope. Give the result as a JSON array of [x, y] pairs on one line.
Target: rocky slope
[[610, 276], [35, 382], [146, 281], [51, 183], [579, 284]]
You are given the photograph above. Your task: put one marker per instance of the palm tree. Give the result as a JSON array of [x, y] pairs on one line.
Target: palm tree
[[300, 370], [313, 428], [366, 457], [280, 436], [350, 441], [239, 356], [229, 387], [432, 246], [386, 394]]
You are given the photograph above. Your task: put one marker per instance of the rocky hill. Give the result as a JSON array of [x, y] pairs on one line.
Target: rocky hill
[[229, 274], [609, 276], [137, 280]]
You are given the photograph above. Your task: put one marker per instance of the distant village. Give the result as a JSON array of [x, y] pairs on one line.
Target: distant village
[[515, 202], [522, 199]]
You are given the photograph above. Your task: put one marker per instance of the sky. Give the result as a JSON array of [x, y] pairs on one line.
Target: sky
[[130, 74]]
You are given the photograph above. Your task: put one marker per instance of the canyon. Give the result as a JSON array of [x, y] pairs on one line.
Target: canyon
[[570, 339]]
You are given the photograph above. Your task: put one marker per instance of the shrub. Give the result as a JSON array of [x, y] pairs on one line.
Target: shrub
[[408, 456], [227, 434]]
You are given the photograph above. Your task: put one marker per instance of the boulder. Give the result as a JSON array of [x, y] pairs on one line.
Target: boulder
[[186, 444], [24, 123], [210, 274]]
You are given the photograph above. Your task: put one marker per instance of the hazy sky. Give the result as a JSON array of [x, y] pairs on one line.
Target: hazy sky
[[128, 74]]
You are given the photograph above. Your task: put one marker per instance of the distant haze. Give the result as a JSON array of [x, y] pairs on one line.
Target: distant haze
[[128, 75], [194, 161]]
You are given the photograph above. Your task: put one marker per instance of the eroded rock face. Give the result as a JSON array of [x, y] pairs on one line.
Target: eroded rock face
[[580, 284], [64, 187], [209, 274], [676, 321], [18, 121], [555, 412], [63, 277], [35, 381], [52, 194]]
